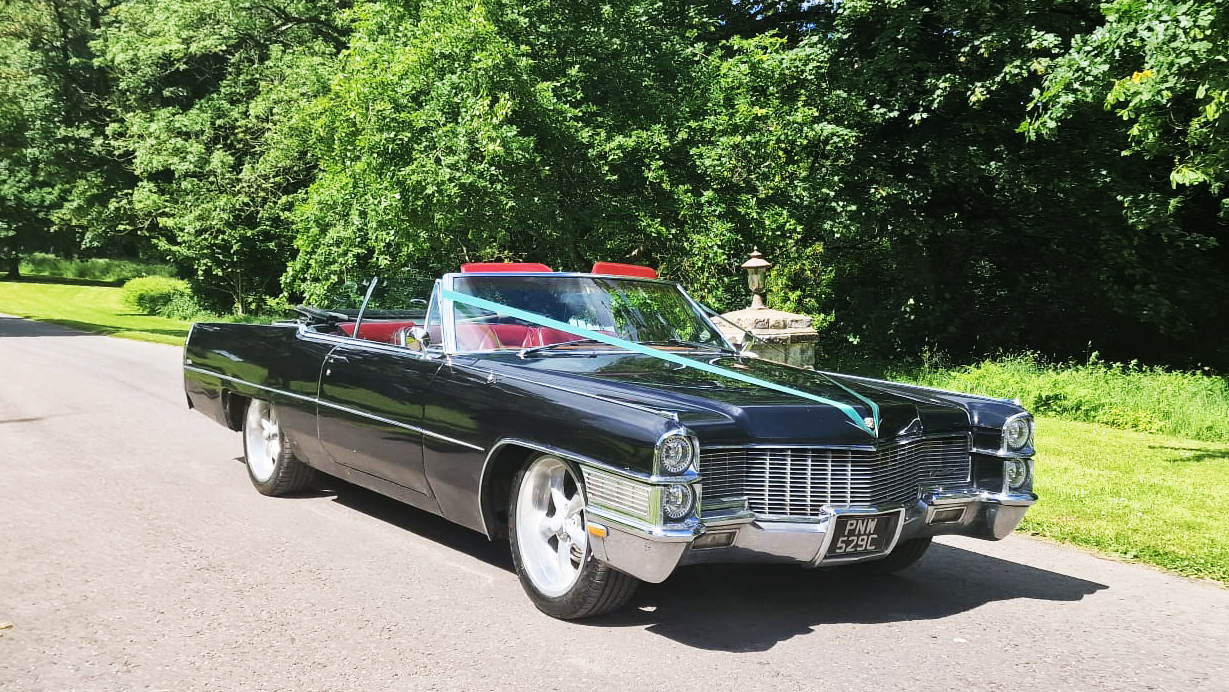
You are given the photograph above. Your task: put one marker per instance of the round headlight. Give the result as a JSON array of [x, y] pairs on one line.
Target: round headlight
[[677, 500], [1016, 472], [674, 454], [1017, 433]]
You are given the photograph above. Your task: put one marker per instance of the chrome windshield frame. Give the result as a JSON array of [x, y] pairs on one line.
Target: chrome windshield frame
[[448, 311]]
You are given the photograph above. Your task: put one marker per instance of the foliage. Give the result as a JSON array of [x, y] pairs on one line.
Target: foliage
[[206, 95], [1193, 405], [1152, 498], [50, 121], [152, 295], [96, 269], [871, 150], [1161, 66]]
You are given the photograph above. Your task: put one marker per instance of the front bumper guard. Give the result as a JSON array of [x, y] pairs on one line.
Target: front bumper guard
[[652, 553]]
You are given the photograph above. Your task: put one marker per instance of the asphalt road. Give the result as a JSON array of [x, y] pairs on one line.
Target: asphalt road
[[135, 555]]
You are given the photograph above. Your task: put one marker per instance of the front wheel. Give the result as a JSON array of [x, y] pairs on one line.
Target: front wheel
[[550, 545], [273, 468]]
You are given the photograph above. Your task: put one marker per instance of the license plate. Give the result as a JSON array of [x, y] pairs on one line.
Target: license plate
[[862, 534]]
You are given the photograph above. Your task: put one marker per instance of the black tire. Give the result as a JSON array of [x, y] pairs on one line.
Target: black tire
[[902, 557], [595, 587], [272, 467]]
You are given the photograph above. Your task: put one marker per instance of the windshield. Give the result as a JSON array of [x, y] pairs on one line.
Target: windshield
[[647, 312]]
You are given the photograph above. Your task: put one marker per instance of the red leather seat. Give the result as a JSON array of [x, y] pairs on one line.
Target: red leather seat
[[477, 337]]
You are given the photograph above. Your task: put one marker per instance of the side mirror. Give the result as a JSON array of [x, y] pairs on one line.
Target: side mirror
[[418, 338], [414, 338]]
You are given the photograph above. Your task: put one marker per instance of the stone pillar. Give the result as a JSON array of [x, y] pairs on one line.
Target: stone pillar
[[783, 337]]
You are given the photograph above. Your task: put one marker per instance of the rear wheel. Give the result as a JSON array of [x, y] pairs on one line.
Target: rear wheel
[[903, 556], [550, 546], [273, 468]]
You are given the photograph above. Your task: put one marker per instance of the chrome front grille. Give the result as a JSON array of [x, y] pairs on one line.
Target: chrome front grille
[[798, 481]]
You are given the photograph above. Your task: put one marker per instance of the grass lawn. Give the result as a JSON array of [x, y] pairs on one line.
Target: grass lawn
[[88, 306], [1139, 496]]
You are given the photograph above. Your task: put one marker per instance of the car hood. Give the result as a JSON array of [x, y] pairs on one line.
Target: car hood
[[722, 409]]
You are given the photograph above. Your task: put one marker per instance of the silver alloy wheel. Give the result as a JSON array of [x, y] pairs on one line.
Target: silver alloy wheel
[[550, 526], [264, 440]]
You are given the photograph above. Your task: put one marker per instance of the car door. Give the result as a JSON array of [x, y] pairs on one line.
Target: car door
[[371, 407], [372, 394]]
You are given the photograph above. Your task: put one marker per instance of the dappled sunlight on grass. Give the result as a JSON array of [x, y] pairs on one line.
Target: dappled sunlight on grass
[[1140, 496], [90, 308]]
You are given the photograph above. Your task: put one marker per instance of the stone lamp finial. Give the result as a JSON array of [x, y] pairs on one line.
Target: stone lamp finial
[[757, 268]]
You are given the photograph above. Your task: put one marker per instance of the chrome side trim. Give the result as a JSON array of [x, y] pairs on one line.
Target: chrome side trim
[[365, 344], [220, 376], [339, 407]]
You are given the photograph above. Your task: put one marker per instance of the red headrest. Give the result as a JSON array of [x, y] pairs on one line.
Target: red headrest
[[478, 267], [616, 269]]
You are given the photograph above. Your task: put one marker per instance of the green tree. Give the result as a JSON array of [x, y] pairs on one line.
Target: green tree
[[53, 174], [207, 93]]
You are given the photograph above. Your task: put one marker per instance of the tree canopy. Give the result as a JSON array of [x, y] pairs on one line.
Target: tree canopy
[[957, 177]]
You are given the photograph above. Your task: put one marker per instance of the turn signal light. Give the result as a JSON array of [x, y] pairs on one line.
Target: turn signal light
[[947, 516]]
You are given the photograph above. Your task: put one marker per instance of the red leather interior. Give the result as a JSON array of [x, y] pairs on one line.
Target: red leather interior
[[474, 267], [470, 337], [376, 330], [617, 269], [489, 337]]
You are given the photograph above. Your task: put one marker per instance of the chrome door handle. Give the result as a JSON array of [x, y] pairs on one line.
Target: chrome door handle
[[338, 359]]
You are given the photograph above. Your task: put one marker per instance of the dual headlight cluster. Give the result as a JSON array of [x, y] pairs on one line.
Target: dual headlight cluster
[[1017, 439], [676, 456]]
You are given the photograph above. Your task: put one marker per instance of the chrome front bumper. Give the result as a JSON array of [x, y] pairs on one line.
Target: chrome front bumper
[[653, 553]]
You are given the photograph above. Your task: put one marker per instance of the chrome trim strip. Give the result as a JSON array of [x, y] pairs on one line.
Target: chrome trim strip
[[339, 407], [250, 384], [365, 344], [671, 533]]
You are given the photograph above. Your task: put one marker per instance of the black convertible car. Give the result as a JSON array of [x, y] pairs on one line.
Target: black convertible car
[[604, 426]]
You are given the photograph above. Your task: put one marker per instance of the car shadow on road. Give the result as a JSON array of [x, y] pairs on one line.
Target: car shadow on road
[[755, 607], [417, 521]]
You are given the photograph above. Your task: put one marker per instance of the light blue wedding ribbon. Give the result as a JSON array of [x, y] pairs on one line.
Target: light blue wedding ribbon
[[544, 321]]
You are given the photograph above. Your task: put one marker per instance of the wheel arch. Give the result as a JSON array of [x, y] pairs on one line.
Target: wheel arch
[[234, 407], [503, 461], [505, 458]]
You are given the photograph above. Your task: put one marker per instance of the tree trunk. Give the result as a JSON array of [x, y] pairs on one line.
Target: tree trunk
[[14, 266]]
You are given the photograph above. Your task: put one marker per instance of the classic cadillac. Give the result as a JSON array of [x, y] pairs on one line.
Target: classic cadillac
[[602, 424]]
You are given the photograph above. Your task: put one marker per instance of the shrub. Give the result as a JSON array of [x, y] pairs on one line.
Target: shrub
[[152, 294], [1130, 396], [184, 306]]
